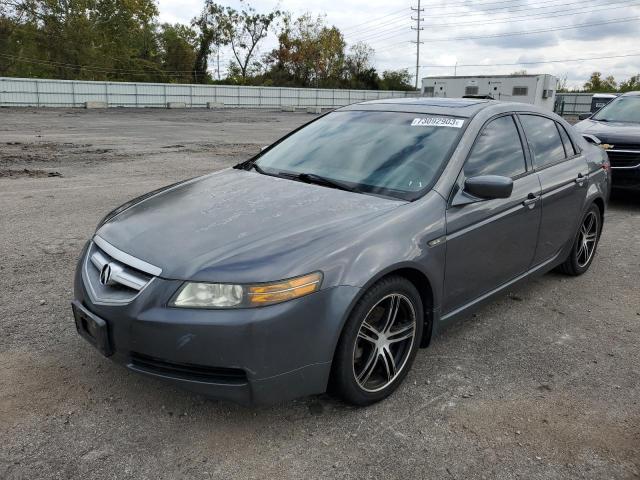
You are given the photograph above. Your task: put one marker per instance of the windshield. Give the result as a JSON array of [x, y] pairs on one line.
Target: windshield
[[387, 153], [623, 109]]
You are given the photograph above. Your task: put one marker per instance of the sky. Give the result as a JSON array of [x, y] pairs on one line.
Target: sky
[[481, 33]]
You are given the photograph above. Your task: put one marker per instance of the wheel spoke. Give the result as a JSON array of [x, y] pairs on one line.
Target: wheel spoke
[[589, 222], [389, 363], [401, 334], [392, 314], [590, 237], [369, 366], [368, 333]]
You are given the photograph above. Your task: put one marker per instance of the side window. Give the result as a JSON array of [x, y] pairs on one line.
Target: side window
[[497, 151], [543, 138], [568, 145]]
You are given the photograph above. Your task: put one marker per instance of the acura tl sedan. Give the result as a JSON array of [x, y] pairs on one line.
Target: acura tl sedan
[[327, 260]]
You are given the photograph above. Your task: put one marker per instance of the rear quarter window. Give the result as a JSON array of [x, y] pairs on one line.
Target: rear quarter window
[[568, 144], [544, 139]]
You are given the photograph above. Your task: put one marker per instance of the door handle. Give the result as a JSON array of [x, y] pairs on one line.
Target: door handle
[[581, 179], [531, 200]]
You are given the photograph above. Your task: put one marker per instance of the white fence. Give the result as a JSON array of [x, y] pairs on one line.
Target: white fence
[[32, 92]]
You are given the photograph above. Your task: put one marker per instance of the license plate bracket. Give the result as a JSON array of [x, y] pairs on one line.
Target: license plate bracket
[[92, 328]]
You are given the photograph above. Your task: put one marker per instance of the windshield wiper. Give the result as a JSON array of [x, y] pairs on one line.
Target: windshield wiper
[[318, 180]]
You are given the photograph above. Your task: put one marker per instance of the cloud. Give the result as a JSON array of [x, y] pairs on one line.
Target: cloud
[[361, 19]]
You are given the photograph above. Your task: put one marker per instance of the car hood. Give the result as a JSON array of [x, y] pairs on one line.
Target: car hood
[[611, 132], [237, 225]]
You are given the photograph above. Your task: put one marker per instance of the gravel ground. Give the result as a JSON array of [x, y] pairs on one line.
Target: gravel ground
[[542, 383]]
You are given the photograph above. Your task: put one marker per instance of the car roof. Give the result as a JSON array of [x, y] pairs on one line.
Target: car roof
[[631, 94], [458, 107]]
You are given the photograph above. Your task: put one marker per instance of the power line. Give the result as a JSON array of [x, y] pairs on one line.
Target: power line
[[525, 32], [456, 15], [375, 20], [543, 62], [543, 30], [96, 69], [393, 32], [547, 15]]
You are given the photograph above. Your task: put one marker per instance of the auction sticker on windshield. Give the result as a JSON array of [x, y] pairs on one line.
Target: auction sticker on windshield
[[437, 122]]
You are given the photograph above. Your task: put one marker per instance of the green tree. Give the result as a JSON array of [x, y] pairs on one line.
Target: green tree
[[177, 52], [359, 69], [212, 24], [244, 30], [632, 84], [309, 54], [396, 80], [597, 84]]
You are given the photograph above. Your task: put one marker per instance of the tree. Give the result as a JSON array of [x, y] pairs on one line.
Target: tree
[[309, 54], [632, 84], [177, 52], [396, 80], [359, 69], [562, 84], [243, 30], [518, 72], [597, 84], [212, 24]]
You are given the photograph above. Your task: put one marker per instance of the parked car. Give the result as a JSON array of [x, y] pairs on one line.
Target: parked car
[[598, 101], [331, 256], [617, 127]]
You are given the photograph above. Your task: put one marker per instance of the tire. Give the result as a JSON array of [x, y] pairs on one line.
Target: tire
[[373, 359], [579, 261]]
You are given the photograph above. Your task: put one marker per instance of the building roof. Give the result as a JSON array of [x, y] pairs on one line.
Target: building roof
[[447, 77]]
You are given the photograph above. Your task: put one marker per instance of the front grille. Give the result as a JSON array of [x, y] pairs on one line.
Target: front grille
[[623, 158], [122, 283], [187, 371]]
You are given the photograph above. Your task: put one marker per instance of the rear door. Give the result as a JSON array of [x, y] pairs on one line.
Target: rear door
[[490, 242], [563, 173]]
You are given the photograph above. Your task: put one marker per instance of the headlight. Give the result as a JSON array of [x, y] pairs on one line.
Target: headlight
[[217, 295]]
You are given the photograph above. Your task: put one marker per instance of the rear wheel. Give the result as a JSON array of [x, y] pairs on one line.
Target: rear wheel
[[585, 244], [379, 342]]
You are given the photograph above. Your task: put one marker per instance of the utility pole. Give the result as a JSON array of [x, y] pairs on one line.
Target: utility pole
[[218, 60], [418, 29]]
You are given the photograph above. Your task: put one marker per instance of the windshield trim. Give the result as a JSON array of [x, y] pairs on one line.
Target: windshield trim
[[365, 189]]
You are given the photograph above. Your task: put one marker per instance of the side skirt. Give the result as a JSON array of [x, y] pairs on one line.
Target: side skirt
[[460, 312]]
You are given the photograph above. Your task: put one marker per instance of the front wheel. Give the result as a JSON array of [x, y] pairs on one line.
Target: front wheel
[[379, 342], [584, 247]]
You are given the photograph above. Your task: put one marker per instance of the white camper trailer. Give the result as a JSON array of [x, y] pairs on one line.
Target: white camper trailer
[[535, 89]]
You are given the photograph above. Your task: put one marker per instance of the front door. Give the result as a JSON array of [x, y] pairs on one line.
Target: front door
[[490, 242]]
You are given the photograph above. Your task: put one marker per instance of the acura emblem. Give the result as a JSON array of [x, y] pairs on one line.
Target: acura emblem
[[105, 274]]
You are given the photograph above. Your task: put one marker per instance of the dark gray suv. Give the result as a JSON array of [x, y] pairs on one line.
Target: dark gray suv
[[330, 257]]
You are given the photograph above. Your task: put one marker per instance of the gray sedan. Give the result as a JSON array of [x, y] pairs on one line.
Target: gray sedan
[[327, 260]]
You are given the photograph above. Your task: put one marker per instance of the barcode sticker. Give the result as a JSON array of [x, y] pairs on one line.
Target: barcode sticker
[[437, 122]]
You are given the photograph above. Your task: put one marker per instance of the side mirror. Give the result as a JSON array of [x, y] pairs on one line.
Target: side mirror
[[584, 116], [489, 187]]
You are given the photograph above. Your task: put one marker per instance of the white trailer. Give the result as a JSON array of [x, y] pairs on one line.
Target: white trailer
[[538, 90]]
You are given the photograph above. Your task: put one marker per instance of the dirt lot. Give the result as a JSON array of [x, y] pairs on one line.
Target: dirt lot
[[542, 383]]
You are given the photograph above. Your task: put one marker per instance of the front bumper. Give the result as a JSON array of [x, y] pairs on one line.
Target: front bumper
[[625, 177], [250, 356]]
